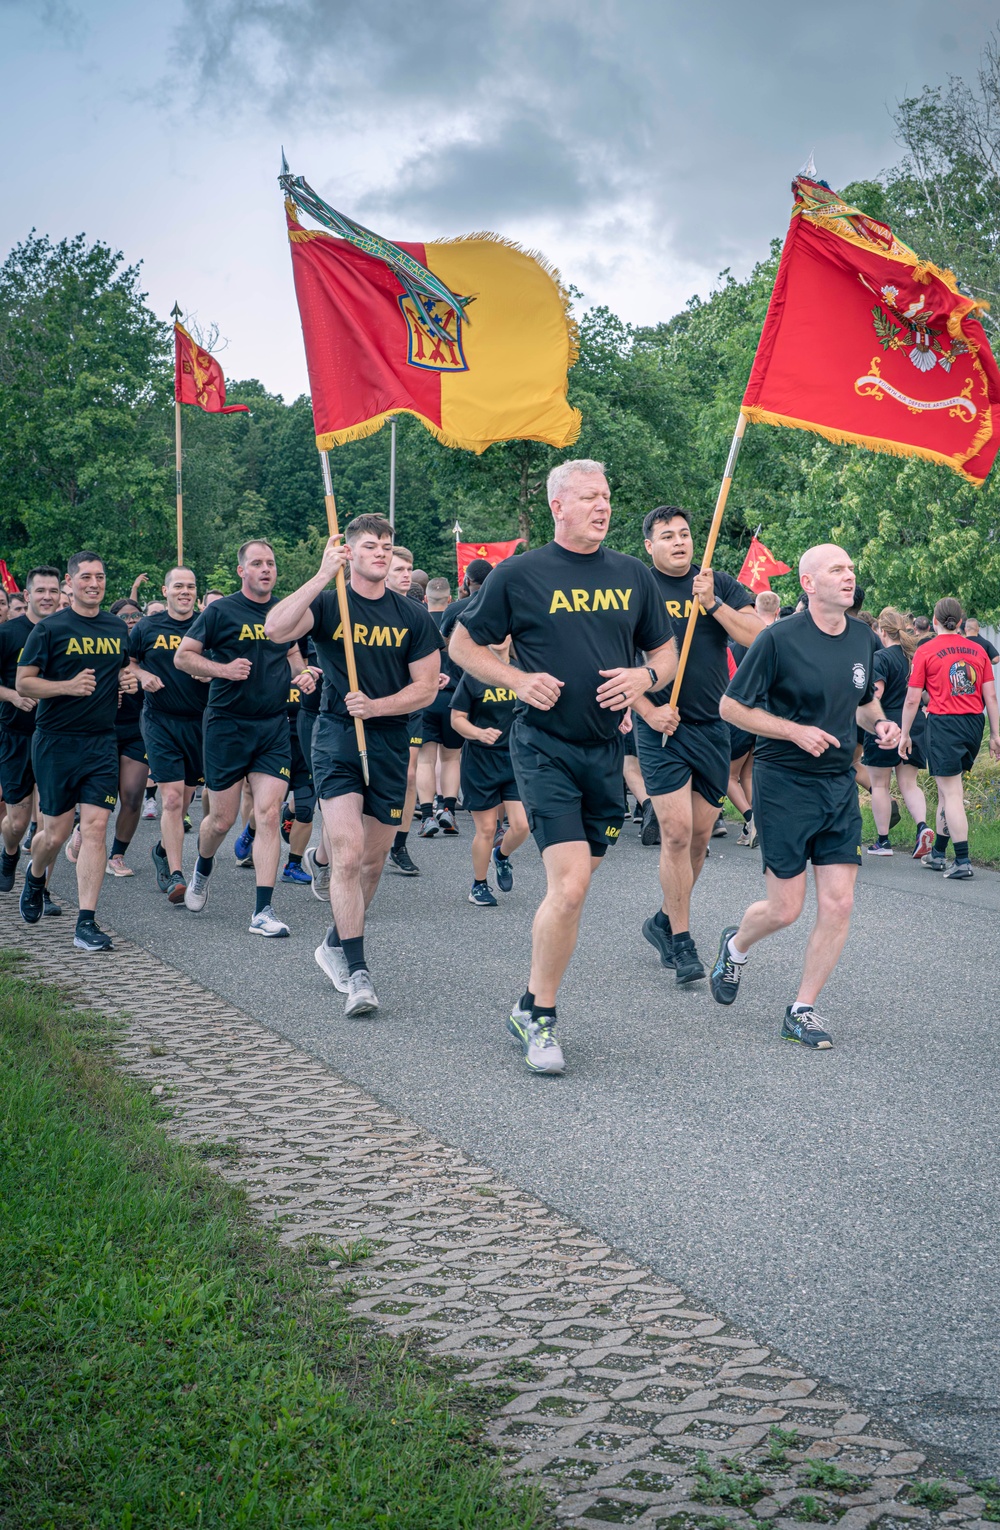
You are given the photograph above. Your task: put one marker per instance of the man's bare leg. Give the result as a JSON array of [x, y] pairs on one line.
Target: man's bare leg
[[686, 821], [568, 870], [93, 857], [834, 900]]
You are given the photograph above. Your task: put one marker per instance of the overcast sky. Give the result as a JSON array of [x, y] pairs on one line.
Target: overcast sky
[[642, 145]]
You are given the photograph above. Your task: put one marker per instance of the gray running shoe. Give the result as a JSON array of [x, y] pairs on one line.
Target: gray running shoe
[[159, 857], [807, 1028], [197, 892], [333, 962], [446, 821], [267, 923], [542, 1052], [935, 862], [361, 998], [320, 876], [960, 871], [719, 830]]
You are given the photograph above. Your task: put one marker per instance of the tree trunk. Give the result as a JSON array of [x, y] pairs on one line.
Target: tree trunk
[[523, 510]]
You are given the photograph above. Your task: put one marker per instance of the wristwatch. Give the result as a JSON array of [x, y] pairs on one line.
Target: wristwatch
[[653, 681], [711, 610]]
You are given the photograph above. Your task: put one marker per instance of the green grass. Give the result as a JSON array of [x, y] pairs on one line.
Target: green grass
[[163, 1362]]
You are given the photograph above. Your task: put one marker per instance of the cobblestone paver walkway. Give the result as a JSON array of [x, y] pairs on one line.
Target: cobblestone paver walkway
[[628, 1402]]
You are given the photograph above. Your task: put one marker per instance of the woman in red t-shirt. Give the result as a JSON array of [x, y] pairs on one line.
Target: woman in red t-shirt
[[958, 678]]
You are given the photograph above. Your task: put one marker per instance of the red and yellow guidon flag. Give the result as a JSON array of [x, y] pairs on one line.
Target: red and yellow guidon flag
[[198, 377], [493, 552], [491, 367], [867, 343]]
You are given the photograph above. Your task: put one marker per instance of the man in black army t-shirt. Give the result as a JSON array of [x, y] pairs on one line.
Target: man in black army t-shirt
[[172, 717], [804, 688], [74, 664], [687, 772], [17, 719], [397, 651], [577, 613], [246, 729]]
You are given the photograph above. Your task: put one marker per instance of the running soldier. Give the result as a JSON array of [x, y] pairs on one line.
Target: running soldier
[[17, 719]]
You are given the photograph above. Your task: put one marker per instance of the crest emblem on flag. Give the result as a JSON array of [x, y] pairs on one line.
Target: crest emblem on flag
[[436, 346]]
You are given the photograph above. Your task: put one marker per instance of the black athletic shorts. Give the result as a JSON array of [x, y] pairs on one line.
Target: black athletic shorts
[[132, 745], [437, 728], [300, 776], [740, 743], [629, 739], [571, 792], [487, 777], [305, 723], [235, 746], [415, 724], [697, 752], [173, 746], [886, 759], [74, 767], [17, 779], [801, 818], [953, 741], [337, 766]]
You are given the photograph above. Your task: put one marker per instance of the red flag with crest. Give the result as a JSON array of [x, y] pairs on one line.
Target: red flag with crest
[[198, 377], [493, 552], [7, 579], [758, 566]]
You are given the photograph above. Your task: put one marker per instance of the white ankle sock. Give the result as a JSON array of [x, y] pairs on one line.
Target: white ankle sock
[[739, 957]]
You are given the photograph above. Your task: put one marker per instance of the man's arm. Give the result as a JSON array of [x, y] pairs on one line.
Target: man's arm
[[539, 690], [146, 678], [30, 683], [625, 687], [420, 692], [872, 718], [23, 703], [743, 625], [990, 703], [910, 705], [190, 658], [815, 741], [466, 729], [291, 618]]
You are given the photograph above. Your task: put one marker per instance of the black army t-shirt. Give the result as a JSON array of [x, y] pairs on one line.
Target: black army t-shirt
[[233, 628], [486, 706], [571, 615], [152, 644], [892, 667], [798, 672], [13, 636], [63, 644], [390, 634], [445, 621], [707, 673]]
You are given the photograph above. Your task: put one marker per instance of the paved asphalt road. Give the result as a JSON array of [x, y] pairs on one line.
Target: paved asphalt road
[[842, 1205]]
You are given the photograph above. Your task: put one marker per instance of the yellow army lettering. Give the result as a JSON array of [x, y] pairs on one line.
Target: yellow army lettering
[[674, 609], [88, 645], [612, 832], [254, 634], [165, 640], [590, 602], [284, 771], [373, 637], [294, 696], [395, 812], [499, 694], [111, 801]]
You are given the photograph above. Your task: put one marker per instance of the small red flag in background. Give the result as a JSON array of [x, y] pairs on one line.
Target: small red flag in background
[[865, 342], [198, 377], [758, 565], [7, 579], [493, 552]]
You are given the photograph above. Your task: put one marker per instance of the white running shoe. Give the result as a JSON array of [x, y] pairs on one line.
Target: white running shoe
[[149, 808], [196, 892], [268, 923], [116, 867], [320, 876], [333, 962], [542, 1052], [361, 998]]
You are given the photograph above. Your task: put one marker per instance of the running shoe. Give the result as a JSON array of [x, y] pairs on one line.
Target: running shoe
[[73, 846], [746, 835], [332, 960], [175, 888], [87, 937], [159, 859], [116, 867], [880, 847], [806, 1028], [687, 962], [51, 907], [268, 923], [542, 1052], [499, 832], [428, 828], [188, 825], [243, 848], [26, 841], [361, 998], [924, 844], [894, 813], [662, 940], [197, 891], [719, 830], [293, 873], [320, 875], [649, 834], [287, 819], [502, 870], [446, 821], [400, 861], [8, 870], [960, 871], [636, 811], [724, 978], [481, 896], [935, 862], [31, 903], [149, 808]]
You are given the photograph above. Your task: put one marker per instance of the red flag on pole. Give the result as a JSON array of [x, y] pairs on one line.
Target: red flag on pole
[[7, 579], [493, 552], [198, 377], [758, 565], [865, 342]]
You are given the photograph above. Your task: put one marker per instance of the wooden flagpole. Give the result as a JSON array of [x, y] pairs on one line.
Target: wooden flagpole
[[345, 616], [706, 562], [175, 315]]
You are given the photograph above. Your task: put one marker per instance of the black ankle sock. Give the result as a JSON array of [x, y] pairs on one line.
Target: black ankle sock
[[661, 921], [748, 815], [34, 879], [11, 860], [399, 843], [479, 882], [682, 938], [354, 953], [883, 839], [940, 843], [427, 810], [249, 829], [86, 916], [264, 896], [159, 849], [150, 793], [203, 865], [961, 849], [921, 826], [527, 999], [294, 860], [546, 1010], [499, 853], [119, 846], [450, 803]]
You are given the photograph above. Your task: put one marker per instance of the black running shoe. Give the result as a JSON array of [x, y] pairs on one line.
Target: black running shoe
[[807, 1029], [8, 869], [400, 861], [724, 978], [960, 871], [87, 937], [32, 901], [893, 813], [287, 819], [52, 908], [649, 834], [687, 962], [719, 830], [26, 842], [159, 856], [662, 939]]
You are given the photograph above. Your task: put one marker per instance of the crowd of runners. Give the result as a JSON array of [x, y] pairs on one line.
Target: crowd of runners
[[535, 702]]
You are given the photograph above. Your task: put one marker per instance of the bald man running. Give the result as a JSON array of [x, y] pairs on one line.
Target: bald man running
[[803, 689]]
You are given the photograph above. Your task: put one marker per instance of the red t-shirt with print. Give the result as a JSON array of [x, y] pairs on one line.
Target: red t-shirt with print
[[952, 669]]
